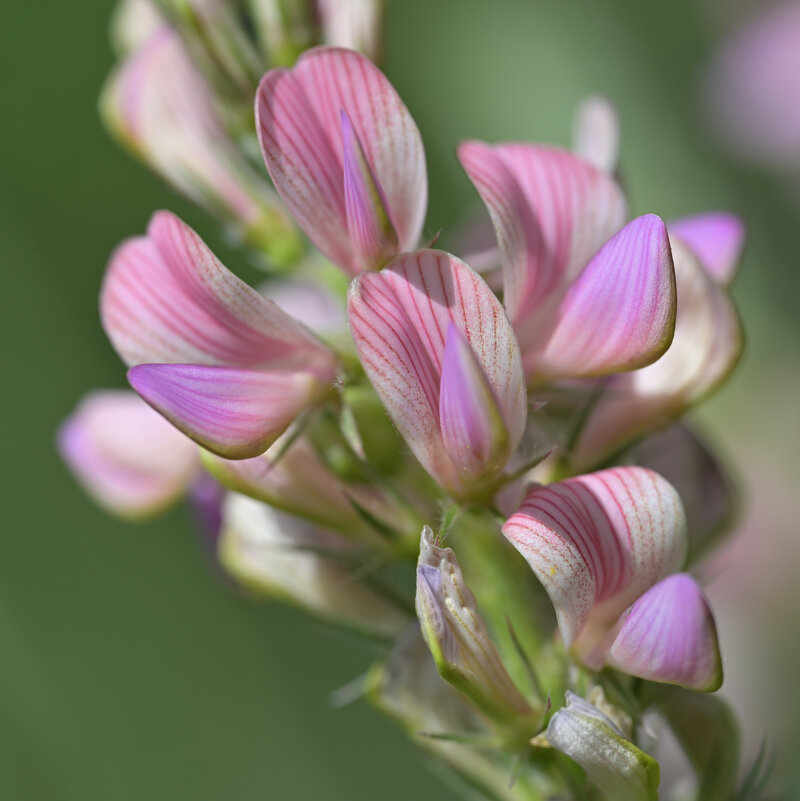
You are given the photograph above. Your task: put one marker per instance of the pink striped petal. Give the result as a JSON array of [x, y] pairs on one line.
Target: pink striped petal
[[669, 635], [232, 412], [399, 319], [167, 298], [597, 542], [372, 234], [126, 456], [473, 431], [717, 239], [619, 313], [300, 131], [706, 347], [551, 211], [595, 133]]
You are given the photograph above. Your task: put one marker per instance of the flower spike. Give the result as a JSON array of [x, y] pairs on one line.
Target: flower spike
[[300, 128], [399, 320]]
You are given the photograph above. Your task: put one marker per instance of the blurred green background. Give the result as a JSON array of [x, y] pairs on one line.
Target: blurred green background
[[128, 671]]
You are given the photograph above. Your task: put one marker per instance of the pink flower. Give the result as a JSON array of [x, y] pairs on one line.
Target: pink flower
[[221, 362], [606, 547], [441, 354], [587, 294], [345, 156]]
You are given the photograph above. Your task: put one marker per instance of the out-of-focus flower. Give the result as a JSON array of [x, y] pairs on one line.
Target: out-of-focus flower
[[619, 769], [158, 105], [602, 542], [345, 156], [444, 360], [221, 362], [125, 455], [596, 133], [458, 638], [749, 94], [133, 23], [570, 266], [354, 24], [281, 556]]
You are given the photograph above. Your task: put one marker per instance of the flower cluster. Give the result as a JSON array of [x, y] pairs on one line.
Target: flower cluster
[[526, 414]]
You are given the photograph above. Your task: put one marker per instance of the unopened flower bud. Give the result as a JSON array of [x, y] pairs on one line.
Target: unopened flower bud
[[458, 638], [618, 769]]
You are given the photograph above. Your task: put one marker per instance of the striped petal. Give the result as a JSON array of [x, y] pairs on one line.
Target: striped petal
[[399, 320], [669, 635], [597, 542], [473, 431], [125, 455], [619, 770], [294, 478], [233, 412], [595, 133], [619, 313], [717, 239], [167, 298], [551, 211], [706, 347], [300, 131], [278, 555]]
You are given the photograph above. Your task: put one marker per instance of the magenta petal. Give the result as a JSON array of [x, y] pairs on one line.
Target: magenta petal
[[167, 298], [300, 131], [232, 412], [371, 231], [597, 541], [619, 313], [717, 239], [473, 430], [126, 456], [669, 635]]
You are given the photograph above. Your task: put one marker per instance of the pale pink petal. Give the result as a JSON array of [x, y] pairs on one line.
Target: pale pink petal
[[372, 234], [619, 313], [299, 127], [233, 412], [126, 456], [595, 132], [717, 239], [354, 24], [551, 210], [669, 635], [706, 347], [399, 319], [597, 542], [473, 431], [167, 298]]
